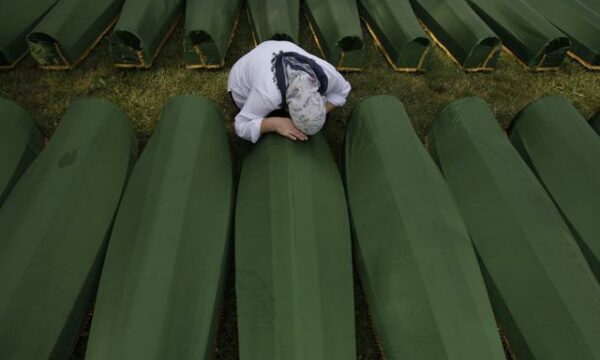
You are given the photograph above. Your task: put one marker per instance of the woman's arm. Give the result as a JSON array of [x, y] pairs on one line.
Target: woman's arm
[[283, 126], [329, 106]]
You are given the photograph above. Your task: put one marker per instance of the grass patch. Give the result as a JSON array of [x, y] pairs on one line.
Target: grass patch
[[142, 93]]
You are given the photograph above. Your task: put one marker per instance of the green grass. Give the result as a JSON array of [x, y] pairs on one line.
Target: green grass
[[142, 93]]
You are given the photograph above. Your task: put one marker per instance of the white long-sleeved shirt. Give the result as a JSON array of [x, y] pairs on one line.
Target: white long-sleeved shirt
[[254, 90]]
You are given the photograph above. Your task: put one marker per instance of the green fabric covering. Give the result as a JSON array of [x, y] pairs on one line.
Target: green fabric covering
[[53, 231], [464, 35], [17, 18], [578, 22], [70, 29], [275, 19], [292, 252], [172, 238], [209, 27], [415, 258], [595, 122], [528, 35], [20, 142], [142, 27], [398, 32], [555, 140], [337, 27], [544, 294], [593, 5]]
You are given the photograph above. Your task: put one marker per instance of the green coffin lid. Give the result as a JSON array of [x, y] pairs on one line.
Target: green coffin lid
[[524, 31], [544, 294], [54, 228], [20, 142], [577, 21], [397, 32], [164, 274], [70, 30], [274, 19], [336, 25], [563, 151], [415, 258], [464, 36], [293, 256], [17, 18], [209, 27], [141, 31], [595, 122]]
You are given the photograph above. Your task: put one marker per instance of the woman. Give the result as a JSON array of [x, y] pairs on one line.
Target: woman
[[281, 88]]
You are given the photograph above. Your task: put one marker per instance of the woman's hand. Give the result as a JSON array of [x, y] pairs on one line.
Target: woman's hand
[[283, 126]]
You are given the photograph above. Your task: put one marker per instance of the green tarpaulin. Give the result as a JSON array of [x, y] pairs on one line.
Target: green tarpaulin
[[460, 32], [141, 31], [396, 32], [209, 29], [415, 258], [274, 19], [20, 142], [525, 32], [563, 151], [17, 19], [171, 239], [595, 122], [292, 253], [593, 5], [335, 25], [544, 294], [53, 231], [579, 23], [71, 30]]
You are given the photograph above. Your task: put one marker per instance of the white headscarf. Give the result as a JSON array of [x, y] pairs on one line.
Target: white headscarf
[[305, 104]]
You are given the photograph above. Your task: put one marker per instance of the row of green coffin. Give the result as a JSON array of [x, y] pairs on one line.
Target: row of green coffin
[[163, 277], [62, 32]]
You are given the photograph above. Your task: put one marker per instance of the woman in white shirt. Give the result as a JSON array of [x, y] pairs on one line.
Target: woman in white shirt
[[281, 88]]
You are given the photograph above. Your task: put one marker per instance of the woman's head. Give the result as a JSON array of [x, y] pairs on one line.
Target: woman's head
[[305, 104]]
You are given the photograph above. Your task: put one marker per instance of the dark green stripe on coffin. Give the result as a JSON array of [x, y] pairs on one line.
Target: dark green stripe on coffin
[[70, 29], [415, 258], [456, 26], [141, 29], [17, 18], [578, 22], [543, 292], [20, 142], [523, 30], [54, 228], [562, 150], [163, 279], [337, 27], [275, 19], [595, 122], [292, 252], [209, 27], [398, 31]]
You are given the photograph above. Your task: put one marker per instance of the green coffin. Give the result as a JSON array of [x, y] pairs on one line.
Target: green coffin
[[17, 19], [460, 32], [415, 259], [593, 5], [71, 30], [595, 122], [543, 293], [292, 252], [562, 150], [579, 23], [274, 19], [172, 238], [335, 25], [209, 28], [525, 32], [54, 228], [141, 31], [396, 32], [20, 142]]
